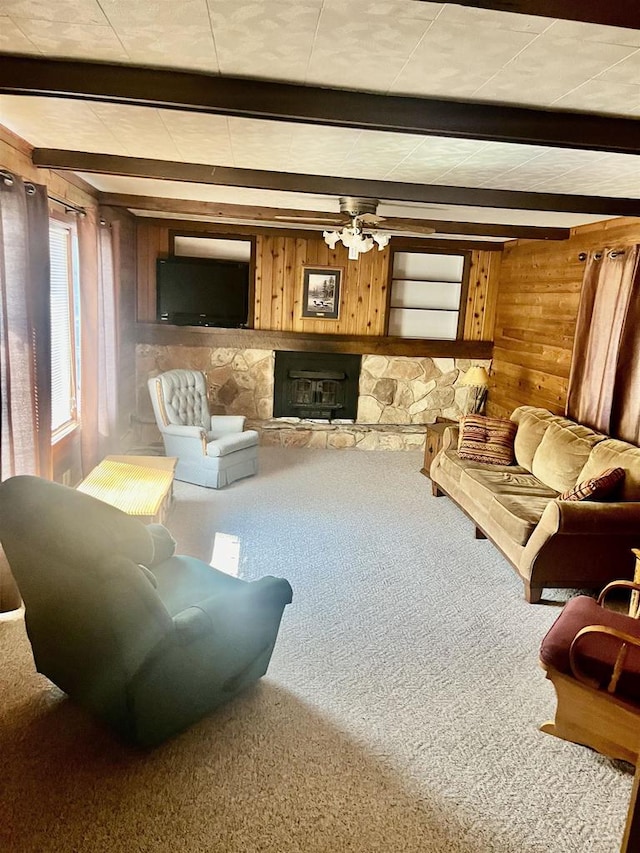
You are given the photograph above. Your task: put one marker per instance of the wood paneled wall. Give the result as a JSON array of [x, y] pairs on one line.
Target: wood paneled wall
[[280, 258], [537, 306], [152, 243], [482, 295], [278, 302], [123, 227]]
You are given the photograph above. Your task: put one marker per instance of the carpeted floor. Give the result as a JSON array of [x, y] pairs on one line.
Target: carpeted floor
[[400, 711]]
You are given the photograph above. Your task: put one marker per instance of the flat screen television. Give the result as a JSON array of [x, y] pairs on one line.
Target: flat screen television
[[202, 292]]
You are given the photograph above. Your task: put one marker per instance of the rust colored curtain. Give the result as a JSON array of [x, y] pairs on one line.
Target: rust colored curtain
[[25, 343], [604, 383], [25, 331], [98, 350]]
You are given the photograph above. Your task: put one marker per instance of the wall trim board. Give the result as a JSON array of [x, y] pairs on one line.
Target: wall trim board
[[157, 333]]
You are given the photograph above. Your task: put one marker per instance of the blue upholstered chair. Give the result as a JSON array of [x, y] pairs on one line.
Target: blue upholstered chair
[[212, 450], [146, 640]]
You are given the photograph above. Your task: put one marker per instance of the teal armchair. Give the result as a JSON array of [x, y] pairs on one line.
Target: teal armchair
[[148, 641]]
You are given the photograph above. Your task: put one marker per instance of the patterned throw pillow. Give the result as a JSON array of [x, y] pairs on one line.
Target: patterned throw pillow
[[487, 440], [596, 488]]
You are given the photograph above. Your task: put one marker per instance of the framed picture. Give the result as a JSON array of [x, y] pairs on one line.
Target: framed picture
[[321, 292]]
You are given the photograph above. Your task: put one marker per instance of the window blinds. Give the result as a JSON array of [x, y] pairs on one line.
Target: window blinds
[[63, 403]]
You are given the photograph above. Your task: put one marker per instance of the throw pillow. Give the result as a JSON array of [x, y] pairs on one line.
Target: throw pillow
[[488, 440], [596, 488]]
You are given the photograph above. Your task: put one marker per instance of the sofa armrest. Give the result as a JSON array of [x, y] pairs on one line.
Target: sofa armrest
[[591, 518], [184, 431], [450, 437], [185, 442], [229, 613]]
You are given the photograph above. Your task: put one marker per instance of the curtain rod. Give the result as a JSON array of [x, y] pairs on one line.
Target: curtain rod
[[69, 207], [8, 179], [614, 253]]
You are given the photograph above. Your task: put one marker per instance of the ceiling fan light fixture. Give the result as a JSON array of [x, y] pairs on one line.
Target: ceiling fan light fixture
[[381, 239], [331, 238], [356, 240]]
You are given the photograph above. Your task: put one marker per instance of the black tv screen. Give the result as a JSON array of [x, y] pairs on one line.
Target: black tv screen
[[202, 292]]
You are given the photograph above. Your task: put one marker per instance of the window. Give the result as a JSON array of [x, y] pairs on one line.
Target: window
[[425, 295], [63, 251]]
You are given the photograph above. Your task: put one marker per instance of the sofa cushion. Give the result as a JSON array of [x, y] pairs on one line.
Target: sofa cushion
[[595, 489], [453, 465], [488, 440], [532, 425], [518, 515], [596, 654], [562, 454], [482, 484], [614, 453], [230, 443]]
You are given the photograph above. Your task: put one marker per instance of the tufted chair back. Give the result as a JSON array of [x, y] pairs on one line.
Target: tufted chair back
[[212, 451], [181, 398]]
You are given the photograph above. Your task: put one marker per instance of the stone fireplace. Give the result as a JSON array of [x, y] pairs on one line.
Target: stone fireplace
[[313, 385], [396, 395]]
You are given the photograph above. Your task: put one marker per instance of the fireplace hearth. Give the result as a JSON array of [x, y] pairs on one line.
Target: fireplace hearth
[[314, 385]]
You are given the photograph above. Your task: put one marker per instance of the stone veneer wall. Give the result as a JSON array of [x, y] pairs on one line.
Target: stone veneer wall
[[398, 396], [399, 390]]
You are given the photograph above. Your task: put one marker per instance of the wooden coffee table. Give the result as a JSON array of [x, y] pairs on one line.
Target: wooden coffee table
[[141, 486]]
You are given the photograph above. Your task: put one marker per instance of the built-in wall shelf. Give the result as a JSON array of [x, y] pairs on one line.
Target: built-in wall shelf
[[197, 336]]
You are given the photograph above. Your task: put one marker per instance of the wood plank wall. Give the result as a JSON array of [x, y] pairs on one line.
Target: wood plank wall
[[278, 289], [537, 305], [279, 269], [123, 227], [482, 295]]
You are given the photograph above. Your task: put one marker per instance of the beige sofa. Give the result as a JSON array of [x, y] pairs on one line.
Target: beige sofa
[[549, 542]]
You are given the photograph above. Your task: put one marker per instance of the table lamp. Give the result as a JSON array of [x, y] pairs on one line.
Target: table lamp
[[477, 380]]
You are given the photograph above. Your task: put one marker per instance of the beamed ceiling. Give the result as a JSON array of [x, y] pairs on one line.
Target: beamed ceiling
[[483, 123]]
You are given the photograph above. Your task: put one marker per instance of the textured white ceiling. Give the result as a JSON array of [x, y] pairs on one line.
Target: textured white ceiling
[[387, 46], [288, 147], [399, 46], [302, 201]]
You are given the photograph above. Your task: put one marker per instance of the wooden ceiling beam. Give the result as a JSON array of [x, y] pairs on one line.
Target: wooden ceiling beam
[[621, 13], [168, 170], [326, 219], [262, 99]]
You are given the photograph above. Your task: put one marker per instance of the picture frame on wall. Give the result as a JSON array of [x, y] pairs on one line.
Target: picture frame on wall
[[321, 292]]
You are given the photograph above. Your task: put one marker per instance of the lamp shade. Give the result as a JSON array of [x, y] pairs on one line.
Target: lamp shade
[[476, 376]]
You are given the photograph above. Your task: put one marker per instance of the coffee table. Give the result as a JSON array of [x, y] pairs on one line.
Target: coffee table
[[141, 486]]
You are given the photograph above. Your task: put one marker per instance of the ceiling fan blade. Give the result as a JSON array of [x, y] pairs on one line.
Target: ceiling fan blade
[[371, 218], [418, 230], [335, 220]]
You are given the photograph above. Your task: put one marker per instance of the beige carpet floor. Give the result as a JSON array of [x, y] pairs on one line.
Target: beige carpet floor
[[400, 711]]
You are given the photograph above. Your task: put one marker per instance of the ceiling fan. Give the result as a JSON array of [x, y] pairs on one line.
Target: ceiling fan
[[362, 228]]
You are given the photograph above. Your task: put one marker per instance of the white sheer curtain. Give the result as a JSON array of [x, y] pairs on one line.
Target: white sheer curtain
[[98, 352]]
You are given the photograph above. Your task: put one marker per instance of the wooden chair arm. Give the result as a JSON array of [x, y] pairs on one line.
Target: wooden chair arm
[[626, 641], [620, 584]]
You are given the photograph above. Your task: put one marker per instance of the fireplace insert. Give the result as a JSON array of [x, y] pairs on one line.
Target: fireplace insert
[[322, 386]]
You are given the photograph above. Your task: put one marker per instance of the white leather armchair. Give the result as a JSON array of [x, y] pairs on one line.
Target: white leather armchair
[[212, 450]]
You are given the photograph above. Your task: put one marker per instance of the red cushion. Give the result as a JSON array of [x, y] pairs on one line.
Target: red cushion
[[596, 653], [595, 489]]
